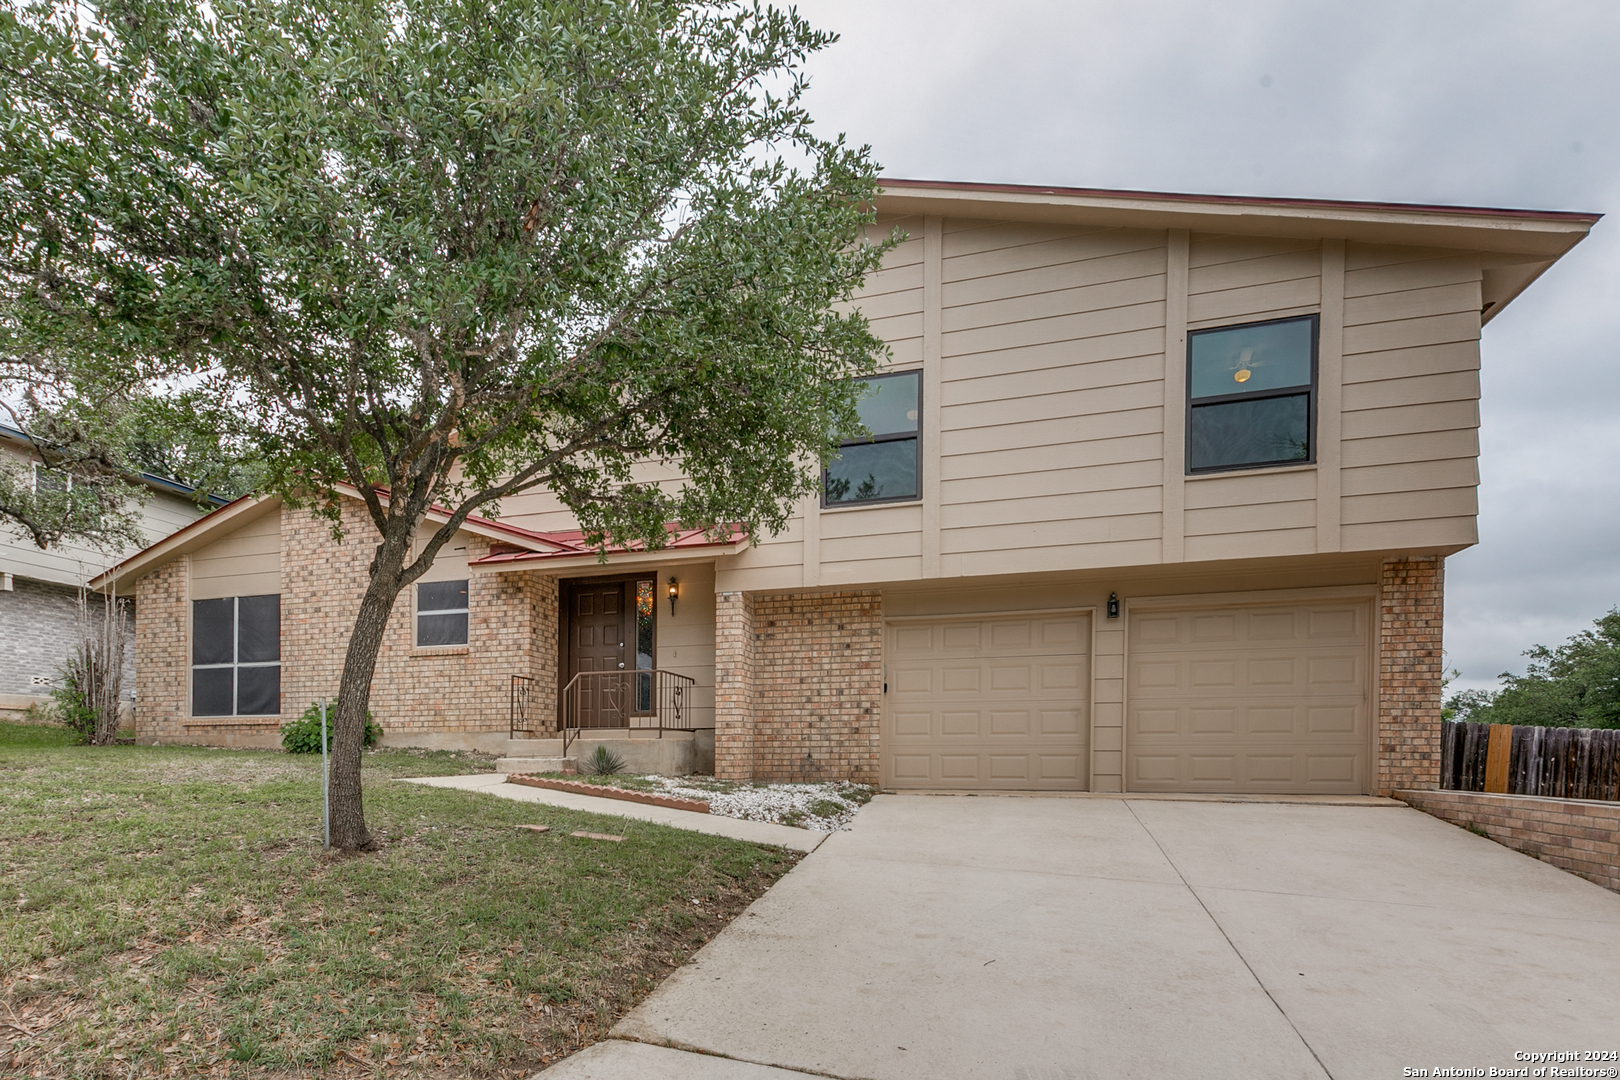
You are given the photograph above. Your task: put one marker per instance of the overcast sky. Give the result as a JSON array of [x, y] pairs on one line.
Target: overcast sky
[[1481, 103]]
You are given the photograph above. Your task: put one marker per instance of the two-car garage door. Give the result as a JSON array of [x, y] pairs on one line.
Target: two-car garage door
[[1262, 698]]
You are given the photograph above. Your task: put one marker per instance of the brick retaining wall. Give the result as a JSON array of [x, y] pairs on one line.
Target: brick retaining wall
[[1571, 834]]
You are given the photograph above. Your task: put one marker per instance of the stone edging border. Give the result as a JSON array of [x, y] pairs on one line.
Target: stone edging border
[[669, 802]]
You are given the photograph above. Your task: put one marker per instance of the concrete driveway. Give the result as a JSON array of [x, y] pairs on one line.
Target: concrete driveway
[[1066, 938]]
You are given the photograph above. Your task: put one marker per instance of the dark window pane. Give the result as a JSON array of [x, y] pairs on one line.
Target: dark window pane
[[889, 405], [886, 470], [1238, 359], [1250, 432], [258, 629], [213, 636], [441, 595], [441, 629], [211, 692], [258, 691]]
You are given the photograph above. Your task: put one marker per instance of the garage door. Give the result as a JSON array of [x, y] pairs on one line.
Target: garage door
[[987, 703], [1268, 699]]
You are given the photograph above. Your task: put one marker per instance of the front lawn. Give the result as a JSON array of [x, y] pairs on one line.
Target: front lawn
[[169, 911]]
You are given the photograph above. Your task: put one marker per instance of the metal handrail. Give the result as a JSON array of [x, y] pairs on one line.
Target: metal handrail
[[654, 700], [519, 705]]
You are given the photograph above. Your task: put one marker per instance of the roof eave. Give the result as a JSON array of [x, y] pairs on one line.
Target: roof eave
[[1544, 233]]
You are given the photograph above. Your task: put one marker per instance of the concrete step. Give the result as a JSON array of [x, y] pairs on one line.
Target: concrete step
[[534, 748], [533, 764]]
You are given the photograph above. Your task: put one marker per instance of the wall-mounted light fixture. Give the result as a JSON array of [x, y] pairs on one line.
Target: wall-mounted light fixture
[[1113, 605], [674, 591]]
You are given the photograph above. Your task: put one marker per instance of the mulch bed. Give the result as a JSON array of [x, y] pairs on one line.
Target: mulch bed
[[579, 787]]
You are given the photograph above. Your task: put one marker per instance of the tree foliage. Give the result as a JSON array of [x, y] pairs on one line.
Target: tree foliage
[[442, 253], [1576, 684]]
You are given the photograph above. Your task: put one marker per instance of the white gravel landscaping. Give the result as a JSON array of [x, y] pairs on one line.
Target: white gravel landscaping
[[818, 807]]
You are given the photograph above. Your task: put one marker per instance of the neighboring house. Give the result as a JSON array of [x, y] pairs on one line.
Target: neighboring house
[[1159, 497], [39, 587]]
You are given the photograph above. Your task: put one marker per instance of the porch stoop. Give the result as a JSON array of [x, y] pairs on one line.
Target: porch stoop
[[534, 755], [677, 753]]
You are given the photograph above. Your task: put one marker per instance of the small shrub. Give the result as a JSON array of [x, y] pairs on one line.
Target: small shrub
[[303, 736], [69, 706], [603, 762]]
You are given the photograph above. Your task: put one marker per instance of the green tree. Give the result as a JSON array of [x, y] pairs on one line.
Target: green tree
[[1575, 685], [447, 252]]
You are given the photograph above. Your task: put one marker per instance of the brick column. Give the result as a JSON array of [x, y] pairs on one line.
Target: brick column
[[162, 669], [1411, 609], [734, 686], [543, 653]]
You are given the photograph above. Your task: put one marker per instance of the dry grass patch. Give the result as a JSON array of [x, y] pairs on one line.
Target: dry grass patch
[[169, 912]]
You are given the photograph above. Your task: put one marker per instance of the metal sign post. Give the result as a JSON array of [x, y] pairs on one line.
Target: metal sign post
[[326, 775]]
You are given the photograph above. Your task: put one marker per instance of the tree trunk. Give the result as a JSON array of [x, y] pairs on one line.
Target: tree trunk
[[349, 831]]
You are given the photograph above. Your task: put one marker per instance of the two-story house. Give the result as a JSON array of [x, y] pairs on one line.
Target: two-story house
[[39, 587], [1158, 498]]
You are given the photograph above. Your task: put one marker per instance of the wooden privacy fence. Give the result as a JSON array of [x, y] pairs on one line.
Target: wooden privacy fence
[[1559, 763]]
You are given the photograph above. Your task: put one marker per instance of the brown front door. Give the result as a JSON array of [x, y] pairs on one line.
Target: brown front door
[[596, 643]]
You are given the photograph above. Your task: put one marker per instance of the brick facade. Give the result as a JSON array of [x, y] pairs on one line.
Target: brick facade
[[798, 686], [1571, 834], [463, 690], [1411, 610]]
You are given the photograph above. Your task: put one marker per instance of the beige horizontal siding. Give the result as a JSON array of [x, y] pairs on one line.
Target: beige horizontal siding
[[1089, 324], [1240, 279], [1406, 419], [1053, 558], [1422, 475], [988, 385], [1263, 518], [1015, 538], [868, 522], [1428, 271], [1421, 360], [1075, 403], [1248, 489], [1422, 446], [1275, 544], [1058, 431], [1137, 262], [1411, 534], [1071, 507], [246, 562], [976, 248], [1047, 480], [1411, 390]]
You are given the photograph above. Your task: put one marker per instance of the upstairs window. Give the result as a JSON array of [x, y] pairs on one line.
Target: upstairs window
[[441, 613], [883, 467], [236, 656], [1251, 395]]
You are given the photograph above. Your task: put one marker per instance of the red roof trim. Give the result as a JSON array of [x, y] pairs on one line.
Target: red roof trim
[[1581, 217], [571, 543]]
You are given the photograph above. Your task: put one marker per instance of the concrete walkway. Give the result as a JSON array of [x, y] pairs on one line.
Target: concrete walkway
[[1062, 939], [758, 831]]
